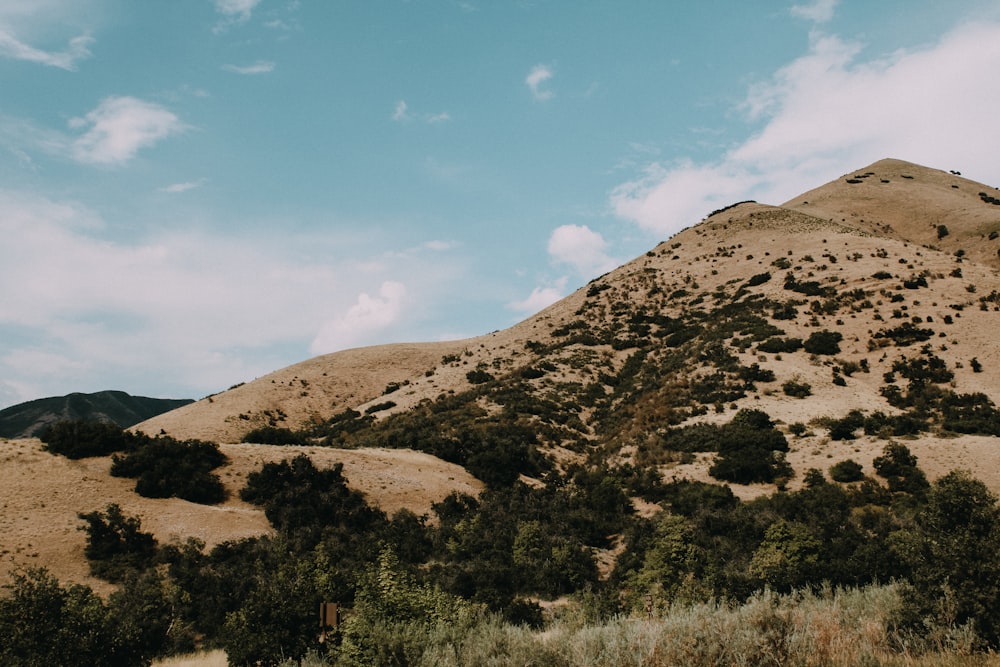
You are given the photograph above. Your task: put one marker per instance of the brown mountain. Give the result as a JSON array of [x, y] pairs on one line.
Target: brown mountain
[[866, 305], [890, 245]]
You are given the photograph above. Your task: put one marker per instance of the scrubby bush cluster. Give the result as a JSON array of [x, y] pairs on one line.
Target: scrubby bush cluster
[[163, 467]]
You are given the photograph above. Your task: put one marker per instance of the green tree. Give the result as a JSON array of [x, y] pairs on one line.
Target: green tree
[[671, 567], [44, 624], [953, 551], [116, 543], [788, 556]]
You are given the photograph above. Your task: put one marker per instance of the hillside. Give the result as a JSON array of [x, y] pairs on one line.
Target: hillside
[[755, 405], [654, 342], [26, 420]]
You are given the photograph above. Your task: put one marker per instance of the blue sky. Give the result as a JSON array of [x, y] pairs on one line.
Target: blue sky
[[197, 192]]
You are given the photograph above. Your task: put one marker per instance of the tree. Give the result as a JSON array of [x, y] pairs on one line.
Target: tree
[[788, 556], [899, 467], [953, 551], [116, 543], [42, 623]]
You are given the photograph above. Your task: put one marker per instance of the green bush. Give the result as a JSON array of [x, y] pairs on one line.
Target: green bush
[[847, 471], [43, 623], [170, 468], [952, 550], [797, 389], [116, 545], [780, 345], [275, 435], [478, 376], [823, 342], [77, 439]]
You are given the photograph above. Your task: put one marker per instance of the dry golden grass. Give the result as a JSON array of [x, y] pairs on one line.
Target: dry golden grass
[[41, 495]]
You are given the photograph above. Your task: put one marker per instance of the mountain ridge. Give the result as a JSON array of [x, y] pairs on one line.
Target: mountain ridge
[[30, 418]]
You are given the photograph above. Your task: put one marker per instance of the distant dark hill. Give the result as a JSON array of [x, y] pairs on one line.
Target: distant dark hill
[[27, 420]]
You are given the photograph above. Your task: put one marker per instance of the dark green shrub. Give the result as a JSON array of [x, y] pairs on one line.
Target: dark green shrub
[[797, 389], [847, 471], [169, 468], [478, 376], [780, 345], [275, 435], [43, 623], [758, 279], [823, 342], [899, 467], [379, 407], [116, 544], [77, 439], [844, 428], [952, 552]]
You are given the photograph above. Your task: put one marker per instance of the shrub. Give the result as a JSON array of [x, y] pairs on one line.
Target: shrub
[[116, 544], [275, 435], [166, 468], [823, 342], [899, 467], [78, 439], [952, 552], [478, 376], [780, 345], [843, 429], [797, 389], [847, 471], [758, 279]]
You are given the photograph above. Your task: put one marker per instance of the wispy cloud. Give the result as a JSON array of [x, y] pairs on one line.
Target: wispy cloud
[[119, 127], [176, 188], [259, 67], [436, 118], [536, 80], [233, 12], [818, 11], [827, 112], [402, 114], [12, 47]]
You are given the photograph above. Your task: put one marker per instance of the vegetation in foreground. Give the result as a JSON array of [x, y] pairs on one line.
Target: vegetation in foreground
[[783, 578]]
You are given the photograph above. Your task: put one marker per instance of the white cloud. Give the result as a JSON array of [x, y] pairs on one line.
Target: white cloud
[[400, 114], [540, 298], [233, 12], [12, 47], [190, 309], [536, 80], [259, 67], [238, 9], [119, 127], [436, 118], [176, 188], [826, 113], [368, 316], [819, 11], [582, 248]]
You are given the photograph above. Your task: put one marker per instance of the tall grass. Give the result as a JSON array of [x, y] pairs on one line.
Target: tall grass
[[829, 628]]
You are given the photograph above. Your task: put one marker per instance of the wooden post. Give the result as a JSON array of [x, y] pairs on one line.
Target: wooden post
[[328, 619]]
